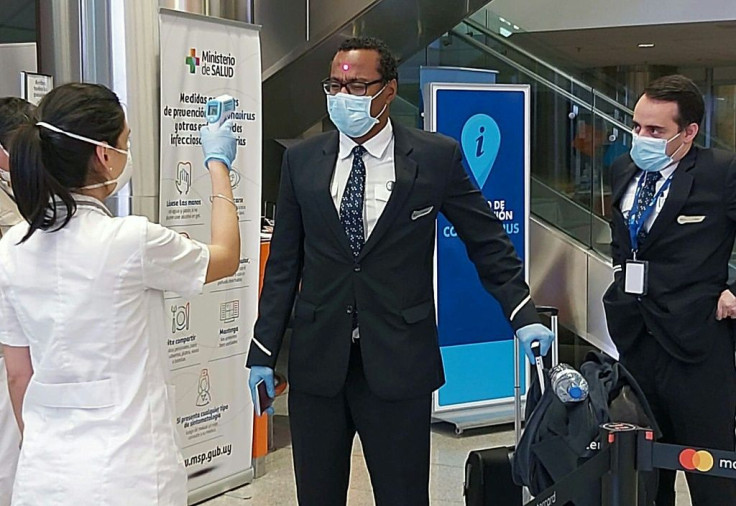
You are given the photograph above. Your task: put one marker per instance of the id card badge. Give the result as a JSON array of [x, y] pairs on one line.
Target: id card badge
[[635, 281]]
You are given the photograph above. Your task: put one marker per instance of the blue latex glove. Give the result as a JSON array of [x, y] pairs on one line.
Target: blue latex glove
[[258, 373], [535, 332], [219, 145]]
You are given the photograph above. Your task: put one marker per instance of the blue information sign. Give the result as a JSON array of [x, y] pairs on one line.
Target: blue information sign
[[491, 123]]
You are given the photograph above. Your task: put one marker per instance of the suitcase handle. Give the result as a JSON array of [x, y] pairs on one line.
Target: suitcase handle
[[536, 346], [553, 313], [550, 310]]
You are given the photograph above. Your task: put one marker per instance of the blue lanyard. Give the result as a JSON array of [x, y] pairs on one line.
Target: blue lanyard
[[635, 226]]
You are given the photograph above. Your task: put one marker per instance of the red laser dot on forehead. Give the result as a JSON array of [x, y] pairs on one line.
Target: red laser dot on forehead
[[345, 67]]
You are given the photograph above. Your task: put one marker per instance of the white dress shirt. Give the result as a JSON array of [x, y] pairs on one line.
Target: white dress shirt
[[627, 201], [380, 174]]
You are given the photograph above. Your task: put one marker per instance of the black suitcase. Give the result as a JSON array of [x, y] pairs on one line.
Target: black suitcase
[[488, 478]]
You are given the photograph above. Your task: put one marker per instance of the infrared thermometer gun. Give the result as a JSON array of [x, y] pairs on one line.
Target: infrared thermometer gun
[[218, 110]]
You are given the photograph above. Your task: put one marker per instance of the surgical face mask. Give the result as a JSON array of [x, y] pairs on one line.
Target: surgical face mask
[[351, 114], [119, 181], [650, 154]]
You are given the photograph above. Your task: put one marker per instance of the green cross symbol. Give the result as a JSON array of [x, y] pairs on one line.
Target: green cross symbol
[[192, 61]]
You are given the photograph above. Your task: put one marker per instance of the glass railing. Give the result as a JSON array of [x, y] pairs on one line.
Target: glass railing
[[613, 96], [579, 127], [573, 139], [503, 29]]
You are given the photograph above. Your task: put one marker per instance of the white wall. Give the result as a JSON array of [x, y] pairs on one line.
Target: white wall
[[550, 15]]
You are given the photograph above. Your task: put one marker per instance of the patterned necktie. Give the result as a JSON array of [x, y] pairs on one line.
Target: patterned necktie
[[646, 196], [351, 205]]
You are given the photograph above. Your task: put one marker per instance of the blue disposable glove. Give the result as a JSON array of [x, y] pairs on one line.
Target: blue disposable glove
[[258, 373], [220, 144], [535, 332]]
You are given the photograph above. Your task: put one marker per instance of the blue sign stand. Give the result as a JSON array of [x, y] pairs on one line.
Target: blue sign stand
[[491, 123]]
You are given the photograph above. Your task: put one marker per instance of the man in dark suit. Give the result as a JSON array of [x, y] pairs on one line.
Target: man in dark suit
[[669, 306], [354, 239]]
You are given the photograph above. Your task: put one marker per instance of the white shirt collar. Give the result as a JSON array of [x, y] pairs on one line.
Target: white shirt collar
[[666, 172], [669, 170], [375, 146]]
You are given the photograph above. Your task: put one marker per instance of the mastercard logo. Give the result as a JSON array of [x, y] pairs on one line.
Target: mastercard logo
[[700, 460]]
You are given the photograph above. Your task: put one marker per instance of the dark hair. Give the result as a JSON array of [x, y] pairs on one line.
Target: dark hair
[[14, 112], [388, 63], [47, 165], [680, 89]]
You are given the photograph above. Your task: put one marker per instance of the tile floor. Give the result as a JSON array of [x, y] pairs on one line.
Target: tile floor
[[276, 487]]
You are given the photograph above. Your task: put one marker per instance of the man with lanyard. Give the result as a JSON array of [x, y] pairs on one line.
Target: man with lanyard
[[669, 307]]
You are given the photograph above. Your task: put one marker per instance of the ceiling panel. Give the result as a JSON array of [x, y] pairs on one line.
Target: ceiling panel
[[690, 44]]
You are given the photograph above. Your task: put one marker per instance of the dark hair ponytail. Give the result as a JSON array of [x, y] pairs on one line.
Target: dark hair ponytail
[[36, 192], [47, 165]]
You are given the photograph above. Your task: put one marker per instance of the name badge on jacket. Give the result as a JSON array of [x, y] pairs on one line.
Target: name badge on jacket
[[684, 219], [419, 213]]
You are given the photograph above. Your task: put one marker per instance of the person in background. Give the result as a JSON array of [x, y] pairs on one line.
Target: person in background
[[82, 308], [669, 309], [354, 243], [13, 113]]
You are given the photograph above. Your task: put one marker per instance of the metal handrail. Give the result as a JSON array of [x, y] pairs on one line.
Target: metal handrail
[[489, 33], [521, 68]]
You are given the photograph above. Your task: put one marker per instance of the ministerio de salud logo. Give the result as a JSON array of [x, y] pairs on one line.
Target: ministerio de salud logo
[[211, 63]]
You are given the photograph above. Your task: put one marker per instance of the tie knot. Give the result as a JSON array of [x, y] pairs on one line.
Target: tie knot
[[358, 151], [652, 177]]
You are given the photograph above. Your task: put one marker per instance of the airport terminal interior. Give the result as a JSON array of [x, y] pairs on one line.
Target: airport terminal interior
[[585, 64]]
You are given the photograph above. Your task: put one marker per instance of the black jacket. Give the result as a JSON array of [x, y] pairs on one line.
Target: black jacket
[[391, 282], [688, 249]]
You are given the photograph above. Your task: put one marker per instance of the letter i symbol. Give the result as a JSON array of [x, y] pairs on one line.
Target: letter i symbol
[[479, 143]]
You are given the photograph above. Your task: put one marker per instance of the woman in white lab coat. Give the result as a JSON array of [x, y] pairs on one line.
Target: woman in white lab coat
[[82, 309], [14, 112]]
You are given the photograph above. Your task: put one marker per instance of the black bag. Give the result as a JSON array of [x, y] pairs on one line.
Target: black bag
[[558, 437], [488, 479]]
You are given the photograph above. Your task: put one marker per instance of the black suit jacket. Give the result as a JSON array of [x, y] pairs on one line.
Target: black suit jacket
[[688, 249], [391, 282]]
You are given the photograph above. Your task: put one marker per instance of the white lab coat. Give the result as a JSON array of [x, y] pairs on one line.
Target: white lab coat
[[98, 411], [9, 433]]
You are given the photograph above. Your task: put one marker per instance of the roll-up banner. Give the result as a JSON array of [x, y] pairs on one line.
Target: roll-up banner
[[209, 335], [491, 124]]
